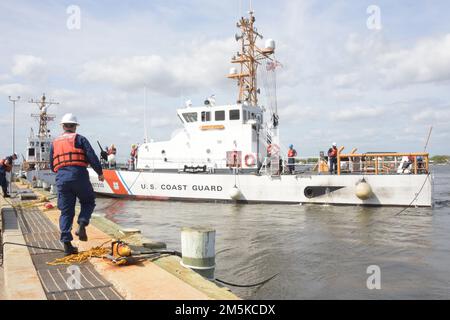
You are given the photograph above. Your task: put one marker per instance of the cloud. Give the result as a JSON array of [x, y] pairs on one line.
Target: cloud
[[357, 113], [29, 67], [427, 61], [432, 116], [200, 65], [374, 61], [295, 113], [15, 89]]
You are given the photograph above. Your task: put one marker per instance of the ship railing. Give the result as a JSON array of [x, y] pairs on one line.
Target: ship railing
[[273, 166], [383, 163]]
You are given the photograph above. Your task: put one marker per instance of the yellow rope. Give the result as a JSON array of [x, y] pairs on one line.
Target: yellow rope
[[95, 252], [33, 203], [81, 257]]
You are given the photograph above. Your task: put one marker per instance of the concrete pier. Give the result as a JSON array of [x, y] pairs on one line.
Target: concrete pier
[[26, 275]]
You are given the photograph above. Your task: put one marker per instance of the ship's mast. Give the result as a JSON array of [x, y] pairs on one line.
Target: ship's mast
[[43, 116], [249, 58]]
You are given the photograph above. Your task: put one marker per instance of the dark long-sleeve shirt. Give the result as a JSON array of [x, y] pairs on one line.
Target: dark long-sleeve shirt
[[72, 173], [10, 161]]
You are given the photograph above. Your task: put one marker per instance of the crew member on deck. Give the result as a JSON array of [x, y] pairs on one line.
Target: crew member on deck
[[112, 151], [133, 156], [292, 153], [6, 165], [70, 154], [332, 158]]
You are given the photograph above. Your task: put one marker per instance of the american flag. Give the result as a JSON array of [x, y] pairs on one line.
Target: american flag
[[272, 65]]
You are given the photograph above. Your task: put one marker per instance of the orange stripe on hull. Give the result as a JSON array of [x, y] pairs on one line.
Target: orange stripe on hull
[[114, 182]]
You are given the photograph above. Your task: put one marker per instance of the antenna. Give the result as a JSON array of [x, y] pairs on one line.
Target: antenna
[[145, 114], [43, 117], [249, 58], [428, 139]]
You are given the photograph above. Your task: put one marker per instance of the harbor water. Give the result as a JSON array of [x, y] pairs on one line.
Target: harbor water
[[319, 251]]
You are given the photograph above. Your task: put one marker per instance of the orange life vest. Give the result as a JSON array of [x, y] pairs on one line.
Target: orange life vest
[[8, 166], [291, 153], [66, 154]]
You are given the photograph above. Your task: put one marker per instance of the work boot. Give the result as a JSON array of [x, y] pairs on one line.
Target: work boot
[[69, 249], [81, 232]]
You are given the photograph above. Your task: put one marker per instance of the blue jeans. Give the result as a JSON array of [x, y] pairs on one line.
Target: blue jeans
[[333, 165], [4, 182], [68, 192], [291, 165]]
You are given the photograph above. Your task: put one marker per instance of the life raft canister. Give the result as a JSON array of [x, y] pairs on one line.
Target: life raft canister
[[66, 154], [8, 166], [249, 160]]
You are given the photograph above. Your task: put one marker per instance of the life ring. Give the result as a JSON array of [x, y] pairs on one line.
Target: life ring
[[250, 160]]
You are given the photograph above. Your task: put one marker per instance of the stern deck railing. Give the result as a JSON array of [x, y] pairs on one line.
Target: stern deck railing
[[382, 163]]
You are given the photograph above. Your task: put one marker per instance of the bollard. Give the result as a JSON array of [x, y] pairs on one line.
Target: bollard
[[45, 185], [53, 189], [198, 250]]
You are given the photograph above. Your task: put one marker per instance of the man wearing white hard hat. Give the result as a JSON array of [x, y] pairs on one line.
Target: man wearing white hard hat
[[332, 158], [6, 165], [70, 154]]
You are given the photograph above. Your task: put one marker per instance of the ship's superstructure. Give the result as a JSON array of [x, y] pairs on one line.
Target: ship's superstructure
[[36, 163], [227, 136]]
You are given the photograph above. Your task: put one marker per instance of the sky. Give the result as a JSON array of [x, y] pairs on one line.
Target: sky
[[372, 75]]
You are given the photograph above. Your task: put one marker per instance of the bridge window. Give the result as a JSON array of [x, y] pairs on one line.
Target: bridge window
[[206, 116], [190, 116], [234, 114], [220, 115]]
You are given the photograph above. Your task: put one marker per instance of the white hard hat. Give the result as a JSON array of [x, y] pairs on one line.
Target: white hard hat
[[334, 144], [69, 118]]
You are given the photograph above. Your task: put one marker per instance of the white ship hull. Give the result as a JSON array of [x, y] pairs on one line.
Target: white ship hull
[[389, 190]]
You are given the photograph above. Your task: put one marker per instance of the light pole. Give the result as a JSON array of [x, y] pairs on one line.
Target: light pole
[[13, 137]]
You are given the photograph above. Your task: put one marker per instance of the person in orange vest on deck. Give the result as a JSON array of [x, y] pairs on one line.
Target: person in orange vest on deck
[[70, 154], [292, 153], [332, 158], [6, 165]]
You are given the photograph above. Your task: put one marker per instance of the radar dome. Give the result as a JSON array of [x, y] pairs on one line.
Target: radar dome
[[270, 44]]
